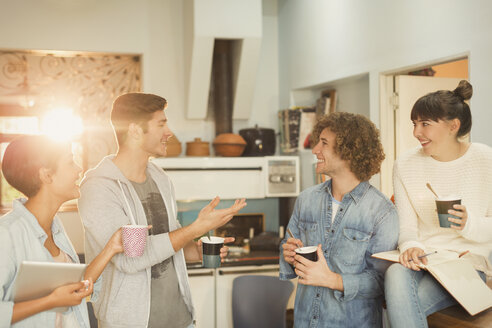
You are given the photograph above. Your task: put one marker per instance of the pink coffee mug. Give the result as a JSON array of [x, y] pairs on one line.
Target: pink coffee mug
[[134, 239]]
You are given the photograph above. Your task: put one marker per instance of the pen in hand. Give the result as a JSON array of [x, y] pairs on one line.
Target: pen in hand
[[291, 235], [425, 255]]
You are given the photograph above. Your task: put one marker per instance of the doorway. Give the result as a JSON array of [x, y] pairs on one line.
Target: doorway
[[398, 92]]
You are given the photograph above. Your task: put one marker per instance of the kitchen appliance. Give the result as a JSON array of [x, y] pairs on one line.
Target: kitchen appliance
[[244, 227], [265, 241], [259, 141], [203, 178]]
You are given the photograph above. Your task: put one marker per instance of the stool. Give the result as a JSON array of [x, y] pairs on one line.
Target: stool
[[457, 317]]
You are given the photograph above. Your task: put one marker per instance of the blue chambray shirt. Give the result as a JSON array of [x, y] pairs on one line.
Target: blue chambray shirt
[[22, 238], [366, 223]]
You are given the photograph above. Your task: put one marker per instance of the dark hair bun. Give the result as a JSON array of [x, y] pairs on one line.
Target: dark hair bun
[[464, 90]]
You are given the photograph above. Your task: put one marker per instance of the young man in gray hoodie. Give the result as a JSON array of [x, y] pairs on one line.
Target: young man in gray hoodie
[[151, 290]]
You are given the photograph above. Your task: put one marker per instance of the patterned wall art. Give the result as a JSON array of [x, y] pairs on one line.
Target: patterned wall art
[[34, 82]]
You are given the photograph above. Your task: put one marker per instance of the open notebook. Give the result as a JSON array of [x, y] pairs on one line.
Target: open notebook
[[455, 274]]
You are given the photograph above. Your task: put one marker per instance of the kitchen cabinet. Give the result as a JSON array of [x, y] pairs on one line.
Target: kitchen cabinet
[[202, 284]]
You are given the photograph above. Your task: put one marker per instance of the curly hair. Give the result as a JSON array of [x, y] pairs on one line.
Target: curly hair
[[357, 141]]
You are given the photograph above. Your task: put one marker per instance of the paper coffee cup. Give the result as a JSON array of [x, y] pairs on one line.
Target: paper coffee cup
[[134, 239], [444, 204], [309, 252], [211, 251]]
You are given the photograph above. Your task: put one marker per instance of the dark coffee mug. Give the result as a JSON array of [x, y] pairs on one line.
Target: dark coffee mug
[[211, 251], [309, 252], [442, 212]]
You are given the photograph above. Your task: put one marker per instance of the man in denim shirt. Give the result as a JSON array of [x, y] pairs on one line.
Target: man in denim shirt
[[348, 220]]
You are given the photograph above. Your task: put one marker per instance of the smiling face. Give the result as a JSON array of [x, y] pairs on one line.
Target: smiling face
[[329, 163], [64, 180], [435, 137], [154, 141]]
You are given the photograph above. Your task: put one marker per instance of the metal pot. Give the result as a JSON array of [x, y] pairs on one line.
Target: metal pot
[[259, 141]]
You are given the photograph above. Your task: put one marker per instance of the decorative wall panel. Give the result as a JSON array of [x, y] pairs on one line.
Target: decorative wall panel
[[33, 82]]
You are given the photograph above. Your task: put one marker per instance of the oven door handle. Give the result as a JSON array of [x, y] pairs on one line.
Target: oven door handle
[[200, 274], [224, 273]]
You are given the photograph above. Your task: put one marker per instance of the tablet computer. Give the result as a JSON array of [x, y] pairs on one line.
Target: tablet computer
[[38, 279]]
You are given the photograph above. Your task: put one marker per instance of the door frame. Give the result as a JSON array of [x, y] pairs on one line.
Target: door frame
[[387, 114]]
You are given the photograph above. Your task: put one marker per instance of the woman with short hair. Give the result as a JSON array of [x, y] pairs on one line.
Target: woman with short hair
[[44, 171]]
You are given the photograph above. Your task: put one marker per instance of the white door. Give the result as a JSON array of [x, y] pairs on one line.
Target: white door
[[409, 90], [202, 285], [399, 94]]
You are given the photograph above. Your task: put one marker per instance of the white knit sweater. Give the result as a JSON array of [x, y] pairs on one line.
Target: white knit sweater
[[470, 177]]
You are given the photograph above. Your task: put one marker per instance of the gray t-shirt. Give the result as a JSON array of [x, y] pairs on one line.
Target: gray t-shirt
[[167, 306]]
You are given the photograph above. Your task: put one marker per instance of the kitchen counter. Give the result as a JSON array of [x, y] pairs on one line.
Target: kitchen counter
[[252, 258]]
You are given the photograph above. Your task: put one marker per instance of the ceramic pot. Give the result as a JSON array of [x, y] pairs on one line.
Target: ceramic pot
[[173, 147], [229, 145], [197, 148]]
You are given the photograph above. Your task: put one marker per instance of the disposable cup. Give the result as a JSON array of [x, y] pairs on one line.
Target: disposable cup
[[134, 239], [309, 252], [443, 205], [211, 251]]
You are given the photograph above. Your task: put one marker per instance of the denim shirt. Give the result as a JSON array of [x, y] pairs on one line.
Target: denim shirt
[[22, 238], [366, 223]]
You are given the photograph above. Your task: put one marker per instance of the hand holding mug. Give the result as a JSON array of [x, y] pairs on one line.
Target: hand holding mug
[[289, 249], [115, 243], [459, 211], [317, 273], [224, 250]]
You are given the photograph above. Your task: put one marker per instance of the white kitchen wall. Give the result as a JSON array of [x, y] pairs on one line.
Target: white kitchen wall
[[352, 94], [153, 28], [326, 40]]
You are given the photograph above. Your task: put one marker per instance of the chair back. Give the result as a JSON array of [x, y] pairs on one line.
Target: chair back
[[260, 301]]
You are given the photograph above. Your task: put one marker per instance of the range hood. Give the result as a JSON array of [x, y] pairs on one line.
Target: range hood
[[206, 21]]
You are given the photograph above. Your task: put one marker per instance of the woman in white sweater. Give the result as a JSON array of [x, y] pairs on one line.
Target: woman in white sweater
[[453, 166]]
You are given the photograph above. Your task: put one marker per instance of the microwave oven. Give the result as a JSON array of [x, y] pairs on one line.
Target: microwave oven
[[202, 178]]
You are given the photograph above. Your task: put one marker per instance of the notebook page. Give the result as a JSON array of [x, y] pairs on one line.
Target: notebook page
[[462, 281]]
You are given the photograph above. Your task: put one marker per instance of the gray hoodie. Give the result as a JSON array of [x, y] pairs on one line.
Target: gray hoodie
[[122, 296]]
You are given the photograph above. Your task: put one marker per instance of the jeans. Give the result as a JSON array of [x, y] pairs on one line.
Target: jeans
[[413, 295]]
